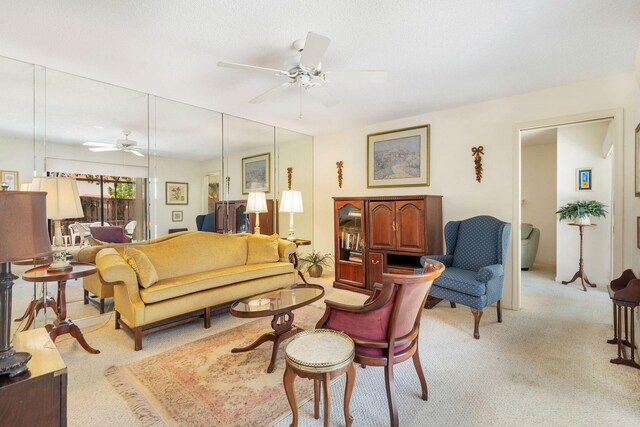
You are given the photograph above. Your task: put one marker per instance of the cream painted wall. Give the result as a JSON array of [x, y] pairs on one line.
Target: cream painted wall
[[539, 196], [453, 133], [578, 147], [17, 155]]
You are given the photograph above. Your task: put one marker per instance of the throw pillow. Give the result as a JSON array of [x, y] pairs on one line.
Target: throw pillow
[[140, 263], [262, 248]]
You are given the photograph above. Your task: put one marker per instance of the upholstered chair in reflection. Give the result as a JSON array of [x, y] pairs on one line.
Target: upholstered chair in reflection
[[109, 234], [386, 328], [529, 240], [475, 260]]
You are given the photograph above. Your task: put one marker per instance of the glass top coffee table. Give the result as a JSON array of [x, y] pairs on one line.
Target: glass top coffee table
[[279, 304]]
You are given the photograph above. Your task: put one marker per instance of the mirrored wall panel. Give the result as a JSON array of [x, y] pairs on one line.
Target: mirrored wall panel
[[186, 167]]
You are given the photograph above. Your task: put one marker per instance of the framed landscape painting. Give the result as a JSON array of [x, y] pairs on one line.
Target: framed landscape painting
[[398, 158], [177, 193], [256, 173]]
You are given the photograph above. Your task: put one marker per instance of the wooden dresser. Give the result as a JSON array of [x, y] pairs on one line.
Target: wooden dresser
[[37, 398], [241, 222], [375, 235]]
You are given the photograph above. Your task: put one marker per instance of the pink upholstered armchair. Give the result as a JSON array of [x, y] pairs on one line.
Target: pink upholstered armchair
[[386, 327]]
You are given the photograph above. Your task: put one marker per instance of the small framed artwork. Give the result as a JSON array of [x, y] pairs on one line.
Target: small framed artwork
[[10, 178], [177, 193], [176, 216], [638, 160], [398, 158], [583, 179], [256, 171]]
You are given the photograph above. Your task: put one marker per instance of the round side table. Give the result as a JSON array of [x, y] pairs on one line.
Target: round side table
[[62, 325], [319, 355]]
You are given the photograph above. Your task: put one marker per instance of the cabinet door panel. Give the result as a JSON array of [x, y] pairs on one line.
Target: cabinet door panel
[[220, 217], [375, 267], [410, 226], [382, 233], [350, 273]]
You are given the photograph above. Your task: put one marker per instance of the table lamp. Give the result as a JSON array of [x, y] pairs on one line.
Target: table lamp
[[291, 202], [63, 202], [23, 235], [257, 204]]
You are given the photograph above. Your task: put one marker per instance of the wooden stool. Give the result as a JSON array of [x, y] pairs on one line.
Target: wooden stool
[[629, 298], [319, 355]]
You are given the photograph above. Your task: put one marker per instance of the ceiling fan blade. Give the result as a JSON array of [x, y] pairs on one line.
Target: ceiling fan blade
[[314, 48], [270, 93], [373, 76], [323, 95], [251, 68], [137, 153], [97, 144], [101, 149]]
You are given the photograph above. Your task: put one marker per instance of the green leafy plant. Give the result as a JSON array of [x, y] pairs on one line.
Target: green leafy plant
[[582, 208], [316, 258]]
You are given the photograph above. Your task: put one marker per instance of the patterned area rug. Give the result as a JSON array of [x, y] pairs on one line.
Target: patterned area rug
[[203, 383]]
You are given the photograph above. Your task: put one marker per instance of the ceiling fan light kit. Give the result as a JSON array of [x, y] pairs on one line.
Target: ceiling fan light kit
[[305, 70]]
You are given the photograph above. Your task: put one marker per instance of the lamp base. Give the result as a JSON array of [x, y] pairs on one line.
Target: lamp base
[[12, 363]]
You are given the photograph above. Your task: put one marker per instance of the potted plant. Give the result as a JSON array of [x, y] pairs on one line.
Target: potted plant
[[581, 211], [315, 262]]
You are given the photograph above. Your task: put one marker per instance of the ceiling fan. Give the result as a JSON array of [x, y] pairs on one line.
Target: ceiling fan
[[126, 145], [304, 70]]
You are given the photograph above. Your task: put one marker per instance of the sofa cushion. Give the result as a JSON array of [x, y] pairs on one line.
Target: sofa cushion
[[262, 248], [196, 252], [146, 272], [175, 287], [525, 230]]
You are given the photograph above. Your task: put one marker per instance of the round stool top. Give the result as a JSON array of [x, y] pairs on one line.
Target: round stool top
[[320, 350]]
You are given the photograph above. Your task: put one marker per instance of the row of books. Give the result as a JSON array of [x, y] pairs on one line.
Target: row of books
[[351, 240], [355, 256]]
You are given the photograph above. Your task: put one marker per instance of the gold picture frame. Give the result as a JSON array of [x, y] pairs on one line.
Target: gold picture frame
[[399, 158], [11, 178], [638, 232], [256, 173]]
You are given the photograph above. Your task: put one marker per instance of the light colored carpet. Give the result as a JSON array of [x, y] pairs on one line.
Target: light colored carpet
[[547, 364]]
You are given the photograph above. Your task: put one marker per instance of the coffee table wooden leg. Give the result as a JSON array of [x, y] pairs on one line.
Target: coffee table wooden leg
[[348, 389], [288, 381], [316, 399], [269, 336], [327, 399]]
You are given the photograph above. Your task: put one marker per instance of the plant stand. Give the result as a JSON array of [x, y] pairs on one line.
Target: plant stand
[[580, 273]]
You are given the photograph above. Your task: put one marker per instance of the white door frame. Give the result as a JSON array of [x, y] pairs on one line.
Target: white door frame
[[617, 208]]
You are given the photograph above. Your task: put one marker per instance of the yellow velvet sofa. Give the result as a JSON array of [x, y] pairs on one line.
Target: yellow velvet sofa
[[97, 290], [176, 281]]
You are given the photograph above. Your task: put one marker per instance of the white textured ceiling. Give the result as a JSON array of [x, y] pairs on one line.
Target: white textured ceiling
[[438, 53]]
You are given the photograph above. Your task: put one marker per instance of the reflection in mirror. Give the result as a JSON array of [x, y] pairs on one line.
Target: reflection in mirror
[[295, 150], [186, 164], [17, 150], [97, 133], [248, 167]]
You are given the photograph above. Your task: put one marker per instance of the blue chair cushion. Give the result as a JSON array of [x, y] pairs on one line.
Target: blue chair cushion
[[463, 281], [478, 243], [209, 222]]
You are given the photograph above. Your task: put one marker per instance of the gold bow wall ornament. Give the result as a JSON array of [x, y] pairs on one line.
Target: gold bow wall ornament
[[477, 152], [289, 173], [339, 166]]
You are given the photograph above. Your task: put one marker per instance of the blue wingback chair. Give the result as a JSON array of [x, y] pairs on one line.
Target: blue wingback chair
[[206, 222], [475, 262]]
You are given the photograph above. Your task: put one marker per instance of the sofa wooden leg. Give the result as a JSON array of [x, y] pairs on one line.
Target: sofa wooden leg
[[452, 304], [499, 307], [101, 305], [117, 320], [86, 297], [477, 314], [137, 331], [207, 318]]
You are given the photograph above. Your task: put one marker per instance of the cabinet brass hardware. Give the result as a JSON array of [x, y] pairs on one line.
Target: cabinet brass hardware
[[393, 225], [373, 261]]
